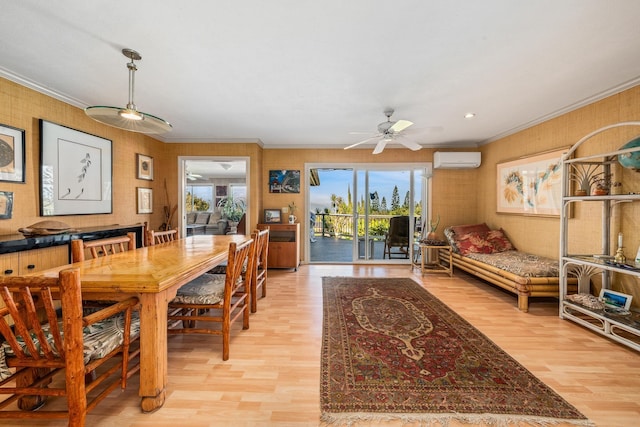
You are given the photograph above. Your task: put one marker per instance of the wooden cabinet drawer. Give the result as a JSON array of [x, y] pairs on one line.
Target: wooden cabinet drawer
[[41, 259]]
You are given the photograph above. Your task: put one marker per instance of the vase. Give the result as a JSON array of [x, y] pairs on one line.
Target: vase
[[580, 193]]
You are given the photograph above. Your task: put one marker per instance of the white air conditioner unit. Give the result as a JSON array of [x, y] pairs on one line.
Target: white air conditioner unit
[[456, 160]]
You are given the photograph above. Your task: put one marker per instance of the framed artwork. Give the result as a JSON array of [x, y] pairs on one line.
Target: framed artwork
[[6, 204], [221, 191], [531, 185], [145, 200], [272, 216], [75, 172], [145, 167], [11, 154], [615, 299], [284, 181]]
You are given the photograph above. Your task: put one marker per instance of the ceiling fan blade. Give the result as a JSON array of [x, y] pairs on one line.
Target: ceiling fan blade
[[362, 142], [411, 145], [380, 146], [400, 125]]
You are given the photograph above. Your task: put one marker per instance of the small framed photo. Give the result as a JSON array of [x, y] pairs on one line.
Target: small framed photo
[[272, 216], [6, 204], [11, 154], [145, 200], [615, 299], [221, 191], [145, 167]]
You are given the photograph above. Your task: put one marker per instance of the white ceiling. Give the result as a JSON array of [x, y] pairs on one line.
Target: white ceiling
[[300, 73]]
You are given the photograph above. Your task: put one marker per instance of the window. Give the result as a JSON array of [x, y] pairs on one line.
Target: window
[[199, 198]]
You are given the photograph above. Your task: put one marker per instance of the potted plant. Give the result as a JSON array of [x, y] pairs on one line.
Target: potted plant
[[232, 208], [585, 175], [604, 185]]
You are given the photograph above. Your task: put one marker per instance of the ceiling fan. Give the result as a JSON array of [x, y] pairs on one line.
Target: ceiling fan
[[390, 132], [192, 176]]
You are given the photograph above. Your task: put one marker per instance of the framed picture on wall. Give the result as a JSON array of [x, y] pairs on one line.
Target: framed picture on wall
[[11, 154], [145, 200], [6, 204], [75, 172], [221, 191], [272, 216], [284, 181], [531, 185], [145, 167]]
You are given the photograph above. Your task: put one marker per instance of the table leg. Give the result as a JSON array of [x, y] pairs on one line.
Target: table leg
[[153, 350]]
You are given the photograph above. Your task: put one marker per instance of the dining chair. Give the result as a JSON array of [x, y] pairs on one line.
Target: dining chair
[[101, 247], [40, 361], [157, 237], [218, 298], [259, 276]]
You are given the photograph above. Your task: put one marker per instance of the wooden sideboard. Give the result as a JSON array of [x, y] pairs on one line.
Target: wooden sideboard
[[284, 245]]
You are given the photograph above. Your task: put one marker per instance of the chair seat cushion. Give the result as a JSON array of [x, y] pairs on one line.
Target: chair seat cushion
[[206, 289], [99, 339]]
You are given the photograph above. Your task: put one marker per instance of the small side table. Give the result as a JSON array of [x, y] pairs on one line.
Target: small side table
[[437, 266]]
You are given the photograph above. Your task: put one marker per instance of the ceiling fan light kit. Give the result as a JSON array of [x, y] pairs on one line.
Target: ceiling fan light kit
[[389, 132], [129, 118]]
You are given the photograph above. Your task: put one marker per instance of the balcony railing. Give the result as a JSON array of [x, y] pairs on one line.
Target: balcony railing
[[341, 225]]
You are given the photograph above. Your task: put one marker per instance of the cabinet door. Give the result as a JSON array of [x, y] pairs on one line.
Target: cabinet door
[[9, 264], [41, 259]]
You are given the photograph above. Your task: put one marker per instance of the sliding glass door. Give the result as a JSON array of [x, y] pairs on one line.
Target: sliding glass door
[[368, 213]]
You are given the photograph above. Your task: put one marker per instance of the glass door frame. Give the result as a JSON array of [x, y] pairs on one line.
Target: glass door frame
[[419, 170]]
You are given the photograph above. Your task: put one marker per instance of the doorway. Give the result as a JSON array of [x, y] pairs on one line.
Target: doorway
[[205, 184], [351, 210]]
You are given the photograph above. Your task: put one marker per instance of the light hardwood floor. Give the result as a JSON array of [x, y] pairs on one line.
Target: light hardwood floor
[[272, 376]]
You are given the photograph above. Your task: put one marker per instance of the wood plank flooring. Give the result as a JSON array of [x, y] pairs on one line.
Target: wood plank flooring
[[272, 376]]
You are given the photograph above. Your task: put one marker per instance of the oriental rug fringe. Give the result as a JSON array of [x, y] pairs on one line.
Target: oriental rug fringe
[[392, 351]]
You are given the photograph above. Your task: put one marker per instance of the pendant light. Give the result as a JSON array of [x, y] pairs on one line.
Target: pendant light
[[129, 118]]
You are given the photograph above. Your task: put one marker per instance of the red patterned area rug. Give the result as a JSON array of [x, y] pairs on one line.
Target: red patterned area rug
[[392, 351]]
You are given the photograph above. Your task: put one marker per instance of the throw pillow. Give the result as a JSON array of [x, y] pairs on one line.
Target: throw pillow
[[474, 242], [499, 241]]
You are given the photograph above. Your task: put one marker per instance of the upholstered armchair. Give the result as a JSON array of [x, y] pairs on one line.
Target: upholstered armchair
[[216, 225]]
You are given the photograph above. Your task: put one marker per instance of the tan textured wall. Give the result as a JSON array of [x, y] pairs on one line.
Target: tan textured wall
[[540, 235], [22, 108], [453, 190]]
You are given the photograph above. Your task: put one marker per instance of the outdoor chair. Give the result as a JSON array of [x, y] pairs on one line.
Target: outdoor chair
[[216, 298], [38, 361], [157, 237], [397, 237]]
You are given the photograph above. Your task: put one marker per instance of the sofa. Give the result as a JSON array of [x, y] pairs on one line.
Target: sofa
[[489, 255], [206, 223]]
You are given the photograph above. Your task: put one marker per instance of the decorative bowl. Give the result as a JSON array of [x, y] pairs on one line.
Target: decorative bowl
[[630, 160]]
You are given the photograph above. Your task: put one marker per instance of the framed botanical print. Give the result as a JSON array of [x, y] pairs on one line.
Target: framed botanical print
[[145, 167], [75, 172]]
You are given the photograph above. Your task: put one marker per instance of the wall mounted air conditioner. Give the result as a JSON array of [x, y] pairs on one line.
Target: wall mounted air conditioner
[[456, 160]]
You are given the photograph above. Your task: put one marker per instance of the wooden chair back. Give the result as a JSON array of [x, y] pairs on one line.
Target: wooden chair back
[[39, 352], [259, 279], [234, 304], [101, 247], [157, 237]]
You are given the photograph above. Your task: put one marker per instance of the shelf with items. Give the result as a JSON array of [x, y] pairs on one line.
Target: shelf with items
[[608, 265]]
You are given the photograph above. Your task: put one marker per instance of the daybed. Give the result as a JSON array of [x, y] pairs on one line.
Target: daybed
[[489, 255]]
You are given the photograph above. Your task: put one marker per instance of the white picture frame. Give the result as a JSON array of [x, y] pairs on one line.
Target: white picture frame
[[615, 299]]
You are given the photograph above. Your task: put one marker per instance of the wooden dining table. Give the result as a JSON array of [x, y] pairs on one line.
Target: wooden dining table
[[153, 274]]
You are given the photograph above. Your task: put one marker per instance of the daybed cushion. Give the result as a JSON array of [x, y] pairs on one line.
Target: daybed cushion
[[519, 263]]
